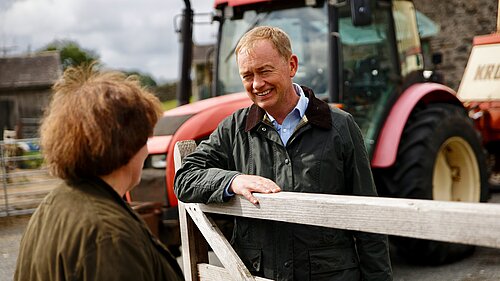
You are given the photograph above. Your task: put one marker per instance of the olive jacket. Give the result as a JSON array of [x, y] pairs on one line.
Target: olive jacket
[[325, 154], [85, 231]]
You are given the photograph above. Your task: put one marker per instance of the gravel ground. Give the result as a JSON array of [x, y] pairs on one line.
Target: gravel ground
[[11, 229], [483, 265]]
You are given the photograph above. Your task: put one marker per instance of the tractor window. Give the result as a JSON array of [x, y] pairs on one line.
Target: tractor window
[[407, 36], [307, 28], [368, 69]]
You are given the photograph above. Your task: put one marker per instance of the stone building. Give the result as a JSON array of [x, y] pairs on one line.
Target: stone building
[[25, 90], [460, 21]]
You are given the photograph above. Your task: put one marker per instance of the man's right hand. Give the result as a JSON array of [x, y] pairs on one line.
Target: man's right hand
[[247, 184]]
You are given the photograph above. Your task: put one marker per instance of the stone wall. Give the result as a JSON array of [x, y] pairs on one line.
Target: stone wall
[[460, 21]]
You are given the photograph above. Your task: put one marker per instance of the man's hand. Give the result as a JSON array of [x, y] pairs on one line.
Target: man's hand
[[247, 184]]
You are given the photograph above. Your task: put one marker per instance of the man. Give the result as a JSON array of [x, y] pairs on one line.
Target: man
[[287, 140]]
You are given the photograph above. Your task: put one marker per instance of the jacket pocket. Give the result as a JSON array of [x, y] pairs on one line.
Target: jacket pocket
[[252, 258], [332, 263]]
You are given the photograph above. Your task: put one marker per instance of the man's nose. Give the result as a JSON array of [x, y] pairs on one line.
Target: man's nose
[[258, 82]]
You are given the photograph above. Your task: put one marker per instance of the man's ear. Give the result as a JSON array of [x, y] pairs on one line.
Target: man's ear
[[293, 63]]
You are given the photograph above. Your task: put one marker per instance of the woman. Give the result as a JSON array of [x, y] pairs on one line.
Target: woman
[[93, 136]]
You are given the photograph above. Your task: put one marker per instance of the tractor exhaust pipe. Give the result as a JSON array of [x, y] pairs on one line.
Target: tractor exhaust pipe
[[186, 40]]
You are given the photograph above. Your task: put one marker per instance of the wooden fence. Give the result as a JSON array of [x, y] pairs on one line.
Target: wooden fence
[[457, 222], [24, 181]]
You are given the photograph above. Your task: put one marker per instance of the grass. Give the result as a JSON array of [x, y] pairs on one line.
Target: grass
[[166, 105], [34, 163]]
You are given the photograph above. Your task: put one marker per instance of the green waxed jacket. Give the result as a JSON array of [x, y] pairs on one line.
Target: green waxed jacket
[[85, 231], [325, 154]]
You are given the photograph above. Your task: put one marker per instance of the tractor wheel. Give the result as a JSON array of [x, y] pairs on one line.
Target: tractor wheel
[[440, 157]]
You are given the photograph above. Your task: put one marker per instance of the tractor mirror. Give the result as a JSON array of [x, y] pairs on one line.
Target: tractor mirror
[[361, 13]]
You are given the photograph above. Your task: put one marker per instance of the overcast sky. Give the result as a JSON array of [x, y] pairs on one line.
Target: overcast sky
[[127, 34]]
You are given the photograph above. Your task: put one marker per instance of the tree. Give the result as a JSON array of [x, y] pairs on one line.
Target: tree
[[71, 53], [167, 91]]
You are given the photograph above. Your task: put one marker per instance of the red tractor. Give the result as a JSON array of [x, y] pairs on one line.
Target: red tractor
[[365, 57]]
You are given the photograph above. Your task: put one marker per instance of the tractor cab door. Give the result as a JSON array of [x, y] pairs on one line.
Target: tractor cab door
[[379, 61], [369, 68]]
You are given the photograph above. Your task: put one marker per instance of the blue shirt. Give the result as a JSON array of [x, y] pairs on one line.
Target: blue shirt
[[286, 129], [293, 118]]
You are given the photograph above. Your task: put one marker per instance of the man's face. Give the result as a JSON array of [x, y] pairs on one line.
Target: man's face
[[266, 76]]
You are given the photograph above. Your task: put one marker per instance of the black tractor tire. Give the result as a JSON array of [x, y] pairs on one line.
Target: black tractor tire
[[433, 144]]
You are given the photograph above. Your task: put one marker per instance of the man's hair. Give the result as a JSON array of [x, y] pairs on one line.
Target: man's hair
[[278, 38], [96, 122]]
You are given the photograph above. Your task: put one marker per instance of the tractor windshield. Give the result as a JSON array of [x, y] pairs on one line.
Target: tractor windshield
[[307, 28]]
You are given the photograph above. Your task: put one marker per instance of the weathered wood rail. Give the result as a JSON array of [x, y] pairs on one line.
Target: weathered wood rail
[[457, 222]]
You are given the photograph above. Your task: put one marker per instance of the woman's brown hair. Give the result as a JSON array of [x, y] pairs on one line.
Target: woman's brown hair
[[96, 122]]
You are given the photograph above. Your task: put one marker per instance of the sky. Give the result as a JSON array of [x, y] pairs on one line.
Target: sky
[[126, 34]]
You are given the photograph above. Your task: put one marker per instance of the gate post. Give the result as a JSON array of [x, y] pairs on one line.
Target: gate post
[[194, 245]]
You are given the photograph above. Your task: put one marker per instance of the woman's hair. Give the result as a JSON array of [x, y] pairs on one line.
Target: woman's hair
[[278, 38], [96, 122]]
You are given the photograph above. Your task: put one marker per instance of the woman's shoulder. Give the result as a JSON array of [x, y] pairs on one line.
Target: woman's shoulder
[[86, 209]]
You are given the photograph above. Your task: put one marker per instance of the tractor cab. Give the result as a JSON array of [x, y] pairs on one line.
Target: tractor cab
[[357, 54]]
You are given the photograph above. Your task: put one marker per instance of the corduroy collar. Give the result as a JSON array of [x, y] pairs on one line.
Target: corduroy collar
[[317, 112]]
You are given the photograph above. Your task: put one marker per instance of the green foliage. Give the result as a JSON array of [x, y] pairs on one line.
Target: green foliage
[[35, 160], [71, 53], [166, 92]]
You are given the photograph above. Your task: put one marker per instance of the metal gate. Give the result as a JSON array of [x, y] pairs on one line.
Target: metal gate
[[24, 180]]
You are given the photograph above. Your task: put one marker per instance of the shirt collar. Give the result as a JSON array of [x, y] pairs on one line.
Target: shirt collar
[[301, 105], [317, 112]]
